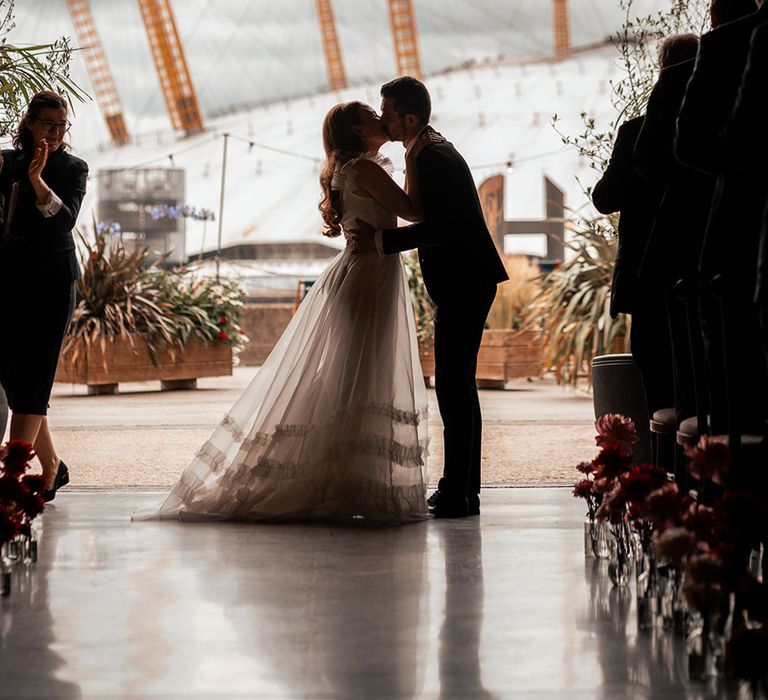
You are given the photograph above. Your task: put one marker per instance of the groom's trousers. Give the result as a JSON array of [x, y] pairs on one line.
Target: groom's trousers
[[459, 324]]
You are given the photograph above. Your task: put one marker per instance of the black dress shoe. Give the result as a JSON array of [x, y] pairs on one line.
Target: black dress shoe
[[473, 502], [62, 479], [450, 506]]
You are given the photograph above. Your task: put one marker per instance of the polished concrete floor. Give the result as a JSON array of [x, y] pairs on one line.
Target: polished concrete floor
[[501, 606]]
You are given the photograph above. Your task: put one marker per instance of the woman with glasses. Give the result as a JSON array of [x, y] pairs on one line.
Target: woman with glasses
[[41, 189]]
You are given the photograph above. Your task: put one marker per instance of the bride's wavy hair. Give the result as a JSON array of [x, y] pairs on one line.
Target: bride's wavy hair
[[341, 145]]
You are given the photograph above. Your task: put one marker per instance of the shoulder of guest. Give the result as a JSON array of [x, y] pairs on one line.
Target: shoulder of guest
[[73, 162]]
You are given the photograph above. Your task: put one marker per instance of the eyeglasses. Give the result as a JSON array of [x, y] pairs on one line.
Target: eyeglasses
[[62, 127]]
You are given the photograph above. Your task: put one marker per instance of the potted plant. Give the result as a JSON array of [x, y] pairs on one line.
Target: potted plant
[[133, 323]]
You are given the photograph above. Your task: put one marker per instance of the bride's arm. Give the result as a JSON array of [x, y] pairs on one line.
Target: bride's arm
[[386, 192]]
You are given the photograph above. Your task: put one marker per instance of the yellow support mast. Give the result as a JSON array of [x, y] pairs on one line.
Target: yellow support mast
[[98, 70], [337, 78], [171, 65], [403, 23]]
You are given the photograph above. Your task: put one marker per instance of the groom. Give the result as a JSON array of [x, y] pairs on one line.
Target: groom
[[461, 269]]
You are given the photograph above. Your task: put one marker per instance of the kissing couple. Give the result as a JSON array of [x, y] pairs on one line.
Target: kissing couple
[[333, 426]]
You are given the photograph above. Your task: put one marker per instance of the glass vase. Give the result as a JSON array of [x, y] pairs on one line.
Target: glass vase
[[706, 648], [648, 592], [621, 555], [595, 538]]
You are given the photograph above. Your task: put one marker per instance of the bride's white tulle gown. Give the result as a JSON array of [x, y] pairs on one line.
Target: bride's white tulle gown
[[333, 425]]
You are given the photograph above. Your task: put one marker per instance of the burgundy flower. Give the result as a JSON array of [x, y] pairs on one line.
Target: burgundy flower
[[614, 429], [583, 488], [746, 652], [673, 544], [585, 467], [35, 483], [710, 459], [223, 336], [9, 526], [701, 521], [613, 507], [222, 319], [10, 489], [663, 506], [17, 456], [705, 582], [642, 480], [612, 461]]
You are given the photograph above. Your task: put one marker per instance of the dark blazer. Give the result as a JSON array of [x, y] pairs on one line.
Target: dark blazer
[[34, 247], [456, 251], [746, 136], [711, 92], [621, 189], [731, 239], [676, 238]]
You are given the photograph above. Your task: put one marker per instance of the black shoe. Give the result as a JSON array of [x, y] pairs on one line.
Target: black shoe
[[473, 502], [449, 507], [62, 479]]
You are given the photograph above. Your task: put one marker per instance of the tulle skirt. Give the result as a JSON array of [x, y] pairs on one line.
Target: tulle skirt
[[333, 426]]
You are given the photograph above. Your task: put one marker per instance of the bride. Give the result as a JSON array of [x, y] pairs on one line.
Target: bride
[[333, 425]]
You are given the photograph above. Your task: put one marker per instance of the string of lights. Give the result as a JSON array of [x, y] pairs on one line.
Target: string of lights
[[508, 164]]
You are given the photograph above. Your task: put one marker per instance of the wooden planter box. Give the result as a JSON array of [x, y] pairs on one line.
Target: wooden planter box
[[503, 355], [176, 368]]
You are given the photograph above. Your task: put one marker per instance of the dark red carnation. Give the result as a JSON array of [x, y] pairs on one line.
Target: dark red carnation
[[612, 461], [34, 483], [583, 488], [10, 489], [17, 456], [615, 429], [664, 505], [641, 480], [585, 467]]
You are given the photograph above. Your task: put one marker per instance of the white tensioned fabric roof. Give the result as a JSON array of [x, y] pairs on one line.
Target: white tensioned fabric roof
[[268, 55], [492, 114]]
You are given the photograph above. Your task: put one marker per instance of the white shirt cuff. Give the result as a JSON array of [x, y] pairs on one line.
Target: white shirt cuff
[[51, 207], [379, 243]]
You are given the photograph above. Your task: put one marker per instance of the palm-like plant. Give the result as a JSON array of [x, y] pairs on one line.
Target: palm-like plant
[[25, 70], [573, 307], [118, 296]]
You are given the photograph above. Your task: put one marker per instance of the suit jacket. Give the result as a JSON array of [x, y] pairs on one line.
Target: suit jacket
[[456, 251], [622, 189], [34, 247], [746, 136], [734, 223], [677, 235]]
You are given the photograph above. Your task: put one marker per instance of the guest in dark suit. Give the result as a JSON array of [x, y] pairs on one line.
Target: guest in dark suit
[[622, 189], [747, 148], [461, 268], [42, 187], [736, 372], [675, 240]]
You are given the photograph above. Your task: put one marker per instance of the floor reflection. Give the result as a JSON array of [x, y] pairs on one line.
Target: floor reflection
[[652, 662], [27, 635], [315, 624], [461, 631]]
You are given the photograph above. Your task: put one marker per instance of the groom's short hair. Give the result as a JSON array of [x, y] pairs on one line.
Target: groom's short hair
[[409, 96]]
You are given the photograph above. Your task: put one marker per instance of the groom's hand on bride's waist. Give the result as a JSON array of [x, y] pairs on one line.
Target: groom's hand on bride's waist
[[362, 238]]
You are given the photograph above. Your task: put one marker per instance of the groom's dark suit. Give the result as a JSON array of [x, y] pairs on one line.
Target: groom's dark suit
[[461, 269]]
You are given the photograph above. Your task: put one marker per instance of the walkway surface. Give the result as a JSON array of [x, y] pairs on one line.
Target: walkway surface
[[500, 606], [534, 432]]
